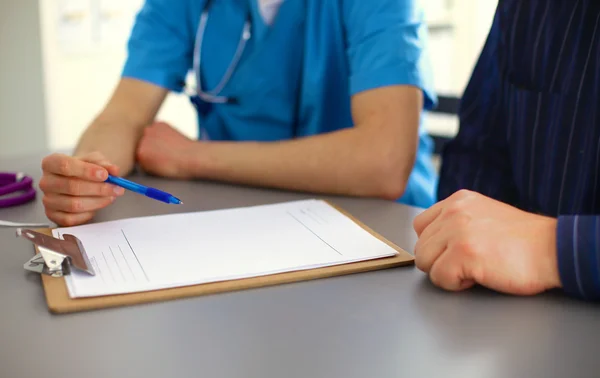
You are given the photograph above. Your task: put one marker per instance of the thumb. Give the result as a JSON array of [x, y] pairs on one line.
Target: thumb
[[99, 159], [112, 169]]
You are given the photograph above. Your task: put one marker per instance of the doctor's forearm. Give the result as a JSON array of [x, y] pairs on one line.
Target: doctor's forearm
[[347, 162], [115, 142], [118, 128], [374, 158]]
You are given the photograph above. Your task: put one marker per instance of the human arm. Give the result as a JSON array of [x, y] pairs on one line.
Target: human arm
[[374, 158], [117, 129], [74, 186], [389, 85], [157, 62]]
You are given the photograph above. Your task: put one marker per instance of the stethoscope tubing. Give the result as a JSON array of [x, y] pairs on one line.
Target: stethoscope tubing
[[213, 96], [17, 188]]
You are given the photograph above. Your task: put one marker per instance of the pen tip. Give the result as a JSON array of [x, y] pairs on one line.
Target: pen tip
[[175, 201]]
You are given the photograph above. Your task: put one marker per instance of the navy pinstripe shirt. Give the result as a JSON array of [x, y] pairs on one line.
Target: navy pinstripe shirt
[[530, 126]]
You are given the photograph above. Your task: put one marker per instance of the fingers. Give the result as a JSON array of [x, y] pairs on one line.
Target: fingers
[[75, 204], [445, 248], [74, 187], [427, 217], [68, 166], [435, 254], [99, 159], [431, 230], [112, 169], [448, 273], [69, 219], [78, 176], [427, 251], [51, 183], [450, 204]]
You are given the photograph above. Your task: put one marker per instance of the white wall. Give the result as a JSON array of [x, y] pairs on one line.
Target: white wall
[[454, 49], [22, 108], [455, 45], [473, 19], [84, 49]]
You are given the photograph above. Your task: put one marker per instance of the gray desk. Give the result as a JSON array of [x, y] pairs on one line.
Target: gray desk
[[383, 324]]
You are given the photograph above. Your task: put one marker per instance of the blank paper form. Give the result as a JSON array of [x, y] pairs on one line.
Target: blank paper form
[[150, 253]]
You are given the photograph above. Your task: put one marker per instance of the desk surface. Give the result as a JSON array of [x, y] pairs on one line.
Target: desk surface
[[384, 324]]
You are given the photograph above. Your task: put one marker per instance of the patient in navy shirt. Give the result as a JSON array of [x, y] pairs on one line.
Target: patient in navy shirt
[[519, 187]]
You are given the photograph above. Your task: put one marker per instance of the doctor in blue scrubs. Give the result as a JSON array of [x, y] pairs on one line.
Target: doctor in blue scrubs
[[321, 96]]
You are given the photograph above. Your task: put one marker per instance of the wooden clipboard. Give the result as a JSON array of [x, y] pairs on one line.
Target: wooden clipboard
[[59, 302]]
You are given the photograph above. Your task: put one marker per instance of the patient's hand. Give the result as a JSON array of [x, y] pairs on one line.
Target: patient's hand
[[469, 238]]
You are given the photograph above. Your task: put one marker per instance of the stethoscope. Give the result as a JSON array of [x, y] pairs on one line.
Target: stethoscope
[[213, 96], [15, 189]]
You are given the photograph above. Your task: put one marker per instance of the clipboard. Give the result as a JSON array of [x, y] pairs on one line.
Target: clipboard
[[59, 301]]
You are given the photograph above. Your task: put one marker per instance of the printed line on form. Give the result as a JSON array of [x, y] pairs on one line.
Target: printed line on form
[[127, 262], [134, 254], [314, 233], [117, 262]]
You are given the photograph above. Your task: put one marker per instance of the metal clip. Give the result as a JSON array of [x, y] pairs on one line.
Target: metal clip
[[56, 257]]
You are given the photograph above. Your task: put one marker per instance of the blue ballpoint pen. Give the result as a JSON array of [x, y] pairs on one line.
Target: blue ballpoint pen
[[141, 189]]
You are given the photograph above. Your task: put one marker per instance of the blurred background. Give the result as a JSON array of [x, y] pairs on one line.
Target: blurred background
[[60, 60]]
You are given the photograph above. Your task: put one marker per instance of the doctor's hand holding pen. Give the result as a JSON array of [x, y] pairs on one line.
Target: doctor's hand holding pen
[[75, 187]]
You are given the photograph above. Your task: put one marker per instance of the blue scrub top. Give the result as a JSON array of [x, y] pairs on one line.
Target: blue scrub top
[[297, 75]]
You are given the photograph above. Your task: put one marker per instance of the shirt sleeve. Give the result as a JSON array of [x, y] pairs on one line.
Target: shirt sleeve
[[160, 47], [578, 249], [386, 45]]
